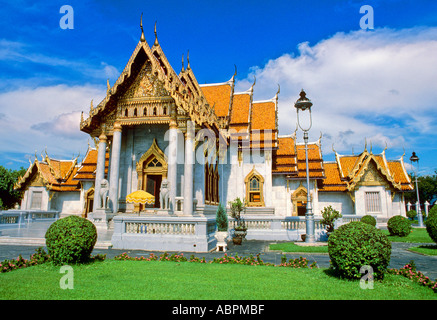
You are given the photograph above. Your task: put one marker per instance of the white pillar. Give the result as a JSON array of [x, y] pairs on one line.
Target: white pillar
[[115, 168], [100, 170], [172, 162], [188, 169]]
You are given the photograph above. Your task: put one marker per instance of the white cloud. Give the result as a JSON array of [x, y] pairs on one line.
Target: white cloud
[[36, 118], [380, 85]]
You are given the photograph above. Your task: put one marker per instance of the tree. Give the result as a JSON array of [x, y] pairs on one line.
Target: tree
[[8, 196], [427, 188]]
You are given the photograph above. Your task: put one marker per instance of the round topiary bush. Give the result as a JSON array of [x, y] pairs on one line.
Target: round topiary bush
[[431, 227], [369, 220], [358, 244], [399, 226], [432, 211], [71, 240], [411, 214]]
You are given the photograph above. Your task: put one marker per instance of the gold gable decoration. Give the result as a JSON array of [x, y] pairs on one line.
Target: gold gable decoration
[[156, 78]]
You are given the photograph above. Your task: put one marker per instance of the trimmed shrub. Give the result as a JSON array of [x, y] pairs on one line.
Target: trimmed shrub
[[329, 215], [432, 211], [71, 240], [399, 226], [369, 220], [431, 227], [358, 244], [221, 218], [411, 214]]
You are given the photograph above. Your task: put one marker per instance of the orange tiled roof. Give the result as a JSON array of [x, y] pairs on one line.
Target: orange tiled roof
[[88, 166], [399, 174], [56, 174], [347, 170], [218, 96], [263, 116], [240, 109], [290, 159], [333, 181]]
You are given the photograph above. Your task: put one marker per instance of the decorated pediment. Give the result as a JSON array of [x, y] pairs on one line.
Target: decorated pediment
[[146, 84]]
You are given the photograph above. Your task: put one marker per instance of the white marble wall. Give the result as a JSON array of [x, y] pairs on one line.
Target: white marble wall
[[340, 201]]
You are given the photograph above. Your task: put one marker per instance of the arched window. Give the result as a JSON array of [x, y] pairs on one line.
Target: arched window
[[164, 110], [254, 189], [125, 112], [135, 112], [154, 111], [145, 111]]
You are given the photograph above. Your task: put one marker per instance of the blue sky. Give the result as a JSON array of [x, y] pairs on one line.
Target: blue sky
[[377, 85]]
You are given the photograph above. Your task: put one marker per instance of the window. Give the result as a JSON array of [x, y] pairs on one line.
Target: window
[[373, 202], [212, 179], [254, 189], [36, 200], [154, 163]]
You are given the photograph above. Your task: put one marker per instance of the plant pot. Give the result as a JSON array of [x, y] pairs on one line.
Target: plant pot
[[240, 233], [237, 240], [303, 237], [221, 236]]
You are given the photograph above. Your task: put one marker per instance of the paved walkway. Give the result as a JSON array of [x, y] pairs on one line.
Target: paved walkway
[[25, 240]]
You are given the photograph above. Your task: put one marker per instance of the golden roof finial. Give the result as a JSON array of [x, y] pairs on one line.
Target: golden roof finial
[[188, 60], [108, 87], [156, 37], [142, 39], [365, 144], [183, 69]]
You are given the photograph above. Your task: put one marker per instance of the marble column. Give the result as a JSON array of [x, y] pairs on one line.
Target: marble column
[[189, 169], [172, 159], [100, 170], [115, 168]]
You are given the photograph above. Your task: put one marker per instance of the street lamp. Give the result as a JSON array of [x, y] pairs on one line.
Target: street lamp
[[415, 158], [303, 104]]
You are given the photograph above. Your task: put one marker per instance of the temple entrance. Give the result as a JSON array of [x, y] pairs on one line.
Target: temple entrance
[[152, 169], [89, 201], [299, 200], [153, 185], [301, 208]]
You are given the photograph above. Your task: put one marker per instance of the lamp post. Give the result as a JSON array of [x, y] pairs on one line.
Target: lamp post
[[415, 158], [303, 104]]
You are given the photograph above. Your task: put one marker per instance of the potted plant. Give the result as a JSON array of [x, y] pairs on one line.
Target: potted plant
[[221, 235], [240, 230], [329, 215]]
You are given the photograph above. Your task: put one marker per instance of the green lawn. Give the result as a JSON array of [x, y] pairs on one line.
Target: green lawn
[[291, 247], [429, 250], [417, 235], [155, 280]]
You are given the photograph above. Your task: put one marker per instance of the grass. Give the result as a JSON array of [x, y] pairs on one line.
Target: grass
[[417, 235], [291, 247], [429, 250], [155, 280]]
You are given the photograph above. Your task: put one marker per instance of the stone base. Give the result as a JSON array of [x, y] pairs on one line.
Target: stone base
[[164, 233], [101, 218]]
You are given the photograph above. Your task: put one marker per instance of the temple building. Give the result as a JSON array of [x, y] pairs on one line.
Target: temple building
[[194, 146]]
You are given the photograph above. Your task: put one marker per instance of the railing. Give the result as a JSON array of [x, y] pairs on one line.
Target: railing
[[160, 228], [11, 218], [164, 232]]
